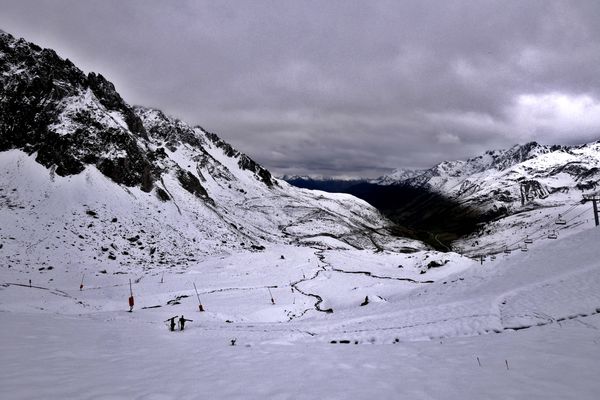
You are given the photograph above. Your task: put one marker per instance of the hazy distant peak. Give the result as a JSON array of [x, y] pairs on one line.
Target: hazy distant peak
[[321, 178]]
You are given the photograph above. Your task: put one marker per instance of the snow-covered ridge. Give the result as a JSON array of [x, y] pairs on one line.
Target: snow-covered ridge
[[320, 178], [529, 186]]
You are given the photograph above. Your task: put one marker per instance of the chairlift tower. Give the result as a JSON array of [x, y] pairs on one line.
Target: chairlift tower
[[594, 197]]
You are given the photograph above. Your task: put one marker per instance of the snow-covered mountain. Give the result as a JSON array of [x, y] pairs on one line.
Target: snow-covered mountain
[[132, 185], [531, 187], [101, 202]]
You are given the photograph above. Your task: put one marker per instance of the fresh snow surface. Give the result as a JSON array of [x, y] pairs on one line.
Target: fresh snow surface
[[525, 326]]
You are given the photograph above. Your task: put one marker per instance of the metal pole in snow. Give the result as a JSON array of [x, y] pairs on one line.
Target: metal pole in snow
[[271, 294], [162, 277], [130, 297], [595, 205], [81, 285], [197, 295]]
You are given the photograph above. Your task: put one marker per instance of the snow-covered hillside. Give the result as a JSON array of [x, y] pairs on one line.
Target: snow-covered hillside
[[123, 185], [531, 186], [523, 326], [290, 293]]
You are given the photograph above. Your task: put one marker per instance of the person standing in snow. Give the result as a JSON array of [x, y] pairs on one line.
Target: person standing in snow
[[182, 322], [172, 323]]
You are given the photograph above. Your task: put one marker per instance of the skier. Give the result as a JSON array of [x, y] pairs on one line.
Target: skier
[[171, 323], [182, 322]]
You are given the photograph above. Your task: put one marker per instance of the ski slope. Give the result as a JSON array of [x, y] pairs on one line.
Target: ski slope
[[523, 326]]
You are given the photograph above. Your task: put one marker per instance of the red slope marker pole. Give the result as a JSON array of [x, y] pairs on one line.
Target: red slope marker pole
[[200, 308], [130, 297]]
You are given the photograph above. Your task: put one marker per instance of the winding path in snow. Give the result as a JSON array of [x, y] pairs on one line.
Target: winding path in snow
[[326, 266]]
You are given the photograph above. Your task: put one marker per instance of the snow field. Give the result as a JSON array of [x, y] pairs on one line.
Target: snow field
[[423, 341]]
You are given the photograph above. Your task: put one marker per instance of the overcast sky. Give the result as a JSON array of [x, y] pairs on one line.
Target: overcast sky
[[342, 88]]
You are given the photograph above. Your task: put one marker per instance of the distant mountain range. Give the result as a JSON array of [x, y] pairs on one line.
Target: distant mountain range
[[465, 198], [332, 185]]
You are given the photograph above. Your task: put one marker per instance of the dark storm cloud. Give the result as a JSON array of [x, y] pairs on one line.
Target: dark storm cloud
[[342, 88]]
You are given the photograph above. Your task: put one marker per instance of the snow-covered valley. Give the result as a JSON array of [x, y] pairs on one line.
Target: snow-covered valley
[[523, 326], [115, 219]]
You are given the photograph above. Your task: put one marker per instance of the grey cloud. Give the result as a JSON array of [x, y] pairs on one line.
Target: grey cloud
[[337, 87]]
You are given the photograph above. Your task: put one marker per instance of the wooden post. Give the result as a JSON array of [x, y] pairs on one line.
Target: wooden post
[[595, 205], [200, 308]]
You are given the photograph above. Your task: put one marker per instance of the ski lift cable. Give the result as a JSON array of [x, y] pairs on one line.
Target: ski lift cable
[[553, 222], [577, 216], [533, 236], [565, 226], [574, 206]]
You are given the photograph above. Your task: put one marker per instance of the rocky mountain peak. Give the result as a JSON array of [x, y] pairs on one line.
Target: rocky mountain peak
[[50, 108]]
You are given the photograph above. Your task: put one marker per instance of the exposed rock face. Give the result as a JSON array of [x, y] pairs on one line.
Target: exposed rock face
[[70, 120], [245, 162], [49, 107], [531, 190]]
